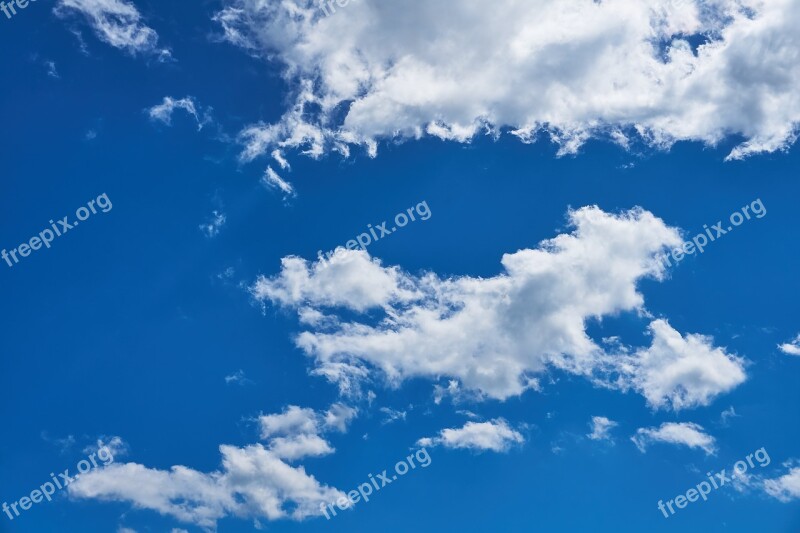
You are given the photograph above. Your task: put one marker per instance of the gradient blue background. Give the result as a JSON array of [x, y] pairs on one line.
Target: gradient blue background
[[124, 328]]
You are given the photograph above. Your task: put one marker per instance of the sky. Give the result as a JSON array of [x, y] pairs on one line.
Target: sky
[[532, 264]]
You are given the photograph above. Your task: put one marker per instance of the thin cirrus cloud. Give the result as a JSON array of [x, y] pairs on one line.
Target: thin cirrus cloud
[[678, 433], [494, 336], [163, 112], [212, 227], [255, 481], [272, 180], [117, 23], [572, 70], [495, 435], [601, 428]]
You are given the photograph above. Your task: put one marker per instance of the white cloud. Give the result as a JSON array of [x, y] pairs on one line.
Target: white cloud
[[726, 415], [569, 70], [214, 224], [495, 435], [295, 433], [51, 69], [272, 180], [238, 377], [254, 481], [679, 433], [277, 155], [792, 347], [349, 279], [292, 421], [681, 372], [601, 428], [114, 444], [493, 336], [163, 111], [338, 417], [392, 415], [785, 488], [116, 22], [299, 446], [126, 530]]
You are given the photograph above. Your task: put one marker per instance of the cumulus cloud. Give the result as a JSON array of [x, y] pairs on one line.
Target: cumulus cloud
[[493, 336], [116, 22], [786, 487], [254, 481], [678, 433], [681, 372], [601, 428], [295, 433], [568, 70], [163, 111], [495, 435], [792, 347]]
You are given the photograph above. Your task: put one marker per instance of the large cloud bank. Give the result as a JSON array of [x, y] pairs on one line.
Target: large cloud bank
[[658, 71], [495, 336]]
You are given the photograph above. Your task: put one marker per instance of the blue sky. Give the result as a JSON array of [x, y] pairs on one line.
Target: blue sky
[[195, 314]]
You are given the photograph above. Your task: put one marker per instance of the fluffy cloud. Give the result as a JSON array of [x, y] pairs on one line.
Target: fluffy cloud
[[495, 435], [682, 433], [792, 347], [494, 335], [163, 111], [785, 488], [601, 427], [682, 372], [570, 70], [254, 481], [116, 22], [295, 433]]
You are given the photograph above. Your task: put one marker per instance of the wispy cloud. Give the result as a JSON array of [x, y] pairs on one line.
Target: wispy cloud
[[212, 227], [117, 23], [601, 428], [272, 180], [163, 112], [238, 378]]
